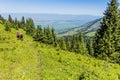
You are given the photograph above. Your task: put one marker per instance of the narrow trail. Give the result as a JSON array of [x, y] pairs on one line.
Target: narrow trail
[[38, 66], [20, 59]]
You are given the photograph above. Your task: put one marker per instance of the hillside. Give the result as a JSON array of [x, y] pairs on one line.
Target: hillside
[[29, 60], [88, 29], [19, 60]]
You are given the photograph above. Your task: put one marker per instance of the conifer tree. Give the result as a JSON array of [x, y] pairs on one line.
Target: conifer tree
[[76, 44], [73, 45], [107, 37], [90, 46], [16, 24], [44, 35], [77, 47], [29, 27], [8, 26], [49, 36], [38, 34], [23, 22], [63, 44], [10, 19], [54, 38], [68, 44], [83, 48], [19, 24], [2, 19]]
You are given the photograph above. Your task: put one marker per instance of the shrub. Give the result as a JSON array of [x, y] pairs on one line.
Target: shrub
[[115, 58]]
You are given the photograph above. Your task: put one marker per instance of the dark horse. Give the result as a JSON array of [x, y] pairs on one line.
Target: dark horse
[[19, 35]]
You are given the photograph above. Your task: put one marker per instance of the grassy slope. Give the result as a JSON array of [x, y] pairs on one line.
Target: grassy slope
[[28, 60], [90, 34], [18, 58]]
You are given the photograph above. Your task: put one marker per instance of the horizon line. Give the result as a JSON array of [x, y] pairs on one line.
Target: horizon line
[[50, 13]]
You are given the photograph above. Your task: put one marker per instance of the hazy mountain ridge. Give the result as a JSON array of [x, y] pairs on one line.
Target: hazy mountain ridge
[[86, 28], [45, 16], [59, 22]]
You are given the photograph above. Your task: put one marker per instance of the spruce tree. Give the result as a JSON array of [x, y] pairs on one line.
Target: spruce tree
[[76, 44], [44, 35], [16, 24], [83, 48], [8, 26], [73, 45], [63, 44], [107, 37], [54, 38], [10, 19], [30, 27], [19, 24], [22, 22], [38, 34], [77, 47], [49, 36], [2, 20], [68, 44], [90, 46]]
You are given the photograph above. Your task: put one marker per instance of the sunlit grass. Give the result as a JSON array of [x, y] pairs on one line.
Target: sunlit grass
[[29, 60], [90, 34]]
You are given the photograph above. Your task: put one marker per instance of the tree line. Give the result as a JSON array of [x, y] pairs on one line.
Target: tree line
[[76, 43], [45, 35], [106, 41]]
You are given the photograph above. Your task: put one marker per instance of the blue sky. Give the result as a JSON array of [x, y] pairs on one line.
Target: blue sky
[[75, 7]]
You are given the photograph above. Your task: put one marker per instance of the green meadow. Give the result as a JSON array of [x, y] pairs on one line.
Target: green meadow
[[29, 60]]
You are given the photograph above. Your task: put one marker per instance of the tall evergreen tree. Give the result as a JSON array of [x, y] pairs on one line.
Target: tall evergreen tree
[[44, 35], [22, 22], [19, 24], [2, 19], [49, 36], [107, 37], [73, 43], [90, 46], [63, 44], [8, 26], [29, 27], [10, 19], [16, 24], [54, 38], [68, 44], [83, 48], [76, 44], [77, 47], [38, 34]]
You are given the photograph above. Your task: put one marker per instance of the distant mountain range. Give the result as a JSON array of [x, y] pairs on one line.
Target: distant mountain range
[[88, 29], [45, 16], [59, 22]]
